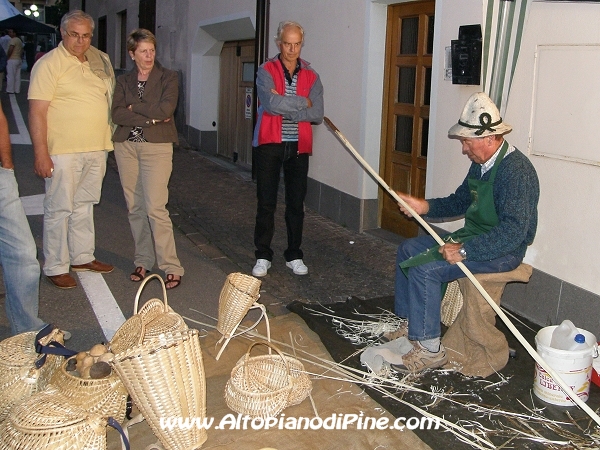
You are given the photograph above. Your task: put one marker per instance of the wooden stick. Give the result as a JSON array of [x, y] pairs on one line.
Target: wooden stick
[[565, 387]]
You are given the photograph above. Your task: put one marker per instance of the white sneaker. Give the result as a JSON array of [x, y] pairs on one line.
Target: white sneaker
[[297, 266], [261, 267]]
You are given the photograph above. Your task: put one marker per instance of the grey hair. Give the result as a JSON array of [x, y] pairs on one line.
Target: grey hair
[[76, 15], [286, 24]]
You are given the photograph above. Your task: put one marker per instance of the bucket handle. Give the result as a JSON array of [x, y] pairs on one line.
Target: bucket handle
[[595, 355]]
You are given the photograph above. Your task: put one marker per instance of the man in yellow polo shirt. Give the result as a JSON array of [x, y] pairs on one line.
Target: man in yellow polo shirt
[[69, 101]]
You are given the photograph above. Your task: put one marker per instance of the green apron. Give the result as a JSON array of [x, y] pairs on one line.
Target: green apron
[[480, 217]]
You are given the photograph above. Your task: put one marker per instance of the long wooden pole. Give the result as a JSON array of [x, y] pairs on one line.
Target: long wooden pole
[[565, 387]]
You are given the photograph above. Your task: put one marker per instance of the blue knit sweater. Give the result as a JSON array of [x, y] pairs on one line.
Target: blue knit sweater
[[516, 195]]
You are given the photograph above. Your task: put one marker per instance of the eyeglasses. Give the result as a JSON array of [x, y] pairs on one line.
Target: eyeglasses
[[82, 37]]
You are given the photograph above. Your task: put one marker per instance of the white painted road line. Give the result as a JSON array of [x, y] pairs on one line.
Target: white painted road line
[[33, 204], [23, 136], [103, 303]]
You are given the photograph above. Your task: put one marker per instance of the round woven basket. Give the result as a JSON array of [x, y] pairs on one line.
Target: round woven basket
[[105, 396], [263, 386], [165, 378], [47, 420], [19, 378], [239, 293], [452, 303], [130, 334]]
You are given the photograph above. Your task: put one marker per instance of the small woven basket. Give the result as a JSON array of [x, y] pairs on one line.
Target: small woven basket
[[452, 303], [165, 378], [239, 293], [19, 377], [104, 396], [48, 421], [263, 386]]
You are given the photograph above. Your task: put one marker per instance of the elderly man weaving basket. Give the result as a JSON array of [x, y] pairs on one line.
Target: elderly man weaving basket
[[498, 199]]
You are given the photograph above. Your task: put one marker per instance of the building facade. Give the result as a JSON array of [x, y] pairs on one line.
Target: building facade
[[365, 51]]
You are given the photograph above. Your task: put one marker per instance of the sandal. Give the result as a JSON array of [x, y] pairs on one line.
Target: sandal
[[137, 276], [171, 279]]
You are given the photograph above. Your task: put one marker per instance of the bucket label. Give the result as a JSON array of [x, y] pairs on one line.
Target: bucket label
[[548, 390]]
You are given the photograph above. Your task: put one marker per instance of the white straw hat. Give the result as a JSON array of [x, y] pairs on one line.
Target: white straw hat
[[480, 118]]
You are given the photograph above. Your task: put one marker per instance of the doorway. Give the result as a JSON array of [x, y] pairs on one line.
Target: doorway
[[236, 93], [407, 87]]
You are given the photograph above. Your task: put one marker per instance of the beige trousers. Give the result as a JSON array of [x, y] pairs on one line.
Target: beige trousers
[[71, 194], [145, 169]]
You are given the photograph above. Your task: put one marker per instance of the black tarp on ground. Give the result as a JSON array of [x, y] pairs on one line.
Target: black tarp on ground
[[23, 24], [519, 371]]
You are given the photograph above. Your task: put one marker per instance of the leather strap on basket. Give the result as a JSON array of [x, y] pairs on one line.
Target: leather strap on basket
[[113, 423], [52, 348]]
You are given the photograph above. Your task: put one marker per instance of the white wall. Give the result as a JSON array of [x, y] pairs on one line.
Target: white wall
[[565, 245]]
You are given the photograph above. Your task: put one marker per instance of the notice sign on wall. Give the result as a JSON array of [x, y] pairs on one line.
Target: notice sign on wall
[[248, 103]]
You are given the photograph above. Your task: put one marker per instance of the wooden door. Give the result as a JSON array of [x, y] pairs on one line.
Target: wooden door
[[235, 101], [407, 86]]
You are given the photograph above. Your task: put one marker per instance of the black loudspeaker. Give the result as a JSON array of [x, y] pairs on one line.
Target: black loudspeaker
[[466, 55]]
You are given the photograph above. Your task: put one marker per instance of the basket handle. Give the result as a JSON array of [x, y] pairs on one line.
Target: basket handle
[[271, 346], [141, 288]]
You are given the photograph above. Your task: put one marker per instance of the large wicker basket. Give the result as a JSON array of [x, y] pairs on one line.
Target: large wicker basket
[[104, 396], [48, 421], [263, 386], [165, 378], [19, 376]]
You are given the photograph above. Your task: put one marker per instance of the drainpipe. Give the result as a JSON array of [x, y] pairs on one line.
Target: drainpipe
[[260, 53]]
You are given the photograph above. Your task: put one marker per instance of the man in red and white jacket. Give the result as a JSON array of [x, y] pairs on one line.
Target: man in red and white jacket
[[290, 97]]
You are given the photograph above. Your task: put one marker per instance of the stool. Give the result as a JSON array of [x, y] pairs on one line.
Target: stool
[[474, 345]]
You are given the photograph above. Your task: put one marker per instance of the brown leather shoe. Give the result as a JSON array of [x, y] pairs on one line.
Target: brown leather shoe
[[62, 281], [94, 266]]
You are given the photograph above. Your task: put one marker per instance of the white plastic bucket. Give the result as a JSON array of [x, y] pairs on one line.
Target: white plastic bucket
[[574, 367]]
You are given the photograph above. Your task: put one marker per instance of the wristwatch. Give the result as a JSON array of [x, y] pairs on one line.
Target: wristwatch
[[462, 252]]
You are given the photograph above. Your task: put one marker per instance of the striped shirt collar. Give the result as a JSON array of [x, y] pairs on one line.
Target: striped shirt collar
[[486, 166]]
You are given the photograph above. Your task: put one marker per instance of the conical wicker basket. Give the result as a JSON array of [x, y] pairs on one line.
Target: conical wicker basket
[[48, 421], [19, 377], [263, 386], [452, 303], [165, 378], [239, 293], [104, 396]]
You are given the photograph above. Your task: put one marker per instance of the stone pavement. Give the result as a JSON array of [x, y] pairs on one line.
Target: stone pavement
[[213, 202]]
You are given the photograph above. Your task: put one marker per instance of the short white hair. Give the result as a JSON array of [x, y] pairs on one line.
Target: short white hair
[[286, 24]]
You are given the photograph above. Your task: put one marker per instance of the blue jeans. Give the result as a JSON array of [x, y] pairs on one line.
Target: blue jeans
[[419, 296], [20, 267], [268, 160]]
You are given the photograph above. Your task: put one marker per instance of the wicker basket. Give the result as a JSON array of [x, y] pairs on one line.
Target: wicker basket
[[19, 377], [157, 315], [129, 335], [239, 293], [104, 396], [153, 319], [165, 378], [48, 421], [452, 303], [263, 386]]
